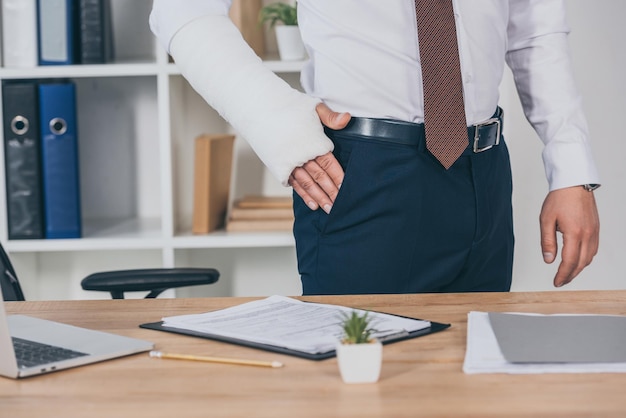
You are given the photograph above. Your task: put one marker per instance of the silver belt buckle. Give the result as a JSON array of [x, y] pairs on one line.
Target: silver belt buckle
[[477, 134]]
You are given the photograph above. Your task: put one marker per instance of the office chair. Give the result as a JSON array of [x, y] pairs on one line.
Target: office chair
[[117, 282], [11, 289]]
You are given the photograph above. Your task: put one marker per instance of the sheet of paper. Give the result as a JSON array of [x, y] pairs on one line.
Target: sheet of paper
[[483, 355], [287, 322]]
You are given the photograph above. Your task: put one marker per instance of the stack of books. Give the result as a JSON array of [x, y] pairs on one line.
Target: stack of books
[[261, 213]]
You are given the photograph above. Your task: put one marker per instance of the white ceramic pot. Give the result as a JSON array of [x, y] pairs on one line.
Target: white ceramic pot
[[290, 46], [360, 363]]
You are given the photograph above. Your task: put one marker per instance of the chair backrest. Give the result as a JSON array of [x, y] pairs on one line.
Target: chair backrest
[[11, 289]]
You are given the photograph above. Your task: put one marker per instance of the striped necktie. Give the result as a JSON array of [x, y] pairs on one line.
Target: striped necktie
[[444, 112]]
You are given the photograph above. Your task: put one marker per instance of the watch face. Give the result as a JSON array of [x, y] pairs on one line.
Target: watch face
[[590, 187]]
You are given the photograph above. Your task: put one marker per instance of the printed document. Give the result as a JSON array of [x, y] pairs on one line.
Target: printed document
[[484, 354], [290, 323]]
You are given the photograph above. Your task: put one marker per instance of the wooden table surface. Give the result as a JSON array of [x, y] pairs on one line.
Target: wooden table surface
[[421, 377]]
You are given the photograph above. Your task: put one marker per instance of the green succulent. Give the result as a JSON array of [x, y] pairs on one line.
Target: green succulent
[[279, 12], [356, 328]]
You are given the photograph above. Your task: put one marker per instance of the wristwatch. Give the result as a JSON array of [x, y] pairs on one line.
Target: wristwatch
[[590, 187]]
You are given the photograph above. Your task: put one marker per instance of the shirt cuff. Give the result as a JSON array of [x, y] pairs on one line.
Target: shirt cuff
[[569, 164]]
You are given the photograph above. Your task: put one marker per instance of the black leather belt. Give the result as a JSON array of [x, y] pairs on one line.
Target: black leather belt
[[481, 136]]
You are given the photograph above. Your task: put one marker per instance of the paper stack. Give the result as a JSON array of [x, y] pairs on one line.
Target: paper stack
[[522, 343], [261, 213]]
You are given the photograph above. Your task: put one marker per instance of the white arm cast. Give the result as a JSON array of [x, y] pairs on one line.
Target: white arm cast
[[279, 122]]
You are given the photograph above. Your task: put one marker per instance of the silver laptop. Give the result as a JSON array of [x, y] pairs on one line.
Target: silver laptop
[[32, 346]]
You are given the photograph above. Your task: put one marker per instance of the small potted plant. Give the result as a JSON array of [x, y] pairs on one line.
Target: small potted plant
[[358, 354], [290, 46]]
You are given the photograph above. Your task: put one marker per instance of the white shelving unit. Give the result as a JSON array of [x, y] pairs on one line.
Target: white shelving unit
[[137, 119]]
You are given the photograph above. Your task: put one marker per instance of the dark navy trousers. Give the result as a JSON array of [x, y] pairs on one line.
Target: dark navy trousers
[[401, 223]]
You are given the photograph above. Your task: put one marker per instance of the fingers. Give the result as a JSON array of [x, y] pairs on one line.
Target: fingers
[[317, 182], [570, 263], [330, 119], [329, 164], [572, 212], [549, 245], [578, 252]]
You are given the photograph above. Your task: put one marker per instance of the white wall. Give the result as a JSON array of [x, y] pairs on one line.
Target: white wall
[[599, 59]]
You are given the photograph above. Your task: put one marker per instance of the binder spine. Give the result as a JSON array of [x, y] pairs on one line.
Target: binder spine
[[19, 33], [22, 161], [57, 32], [92, 31], [60, 170]]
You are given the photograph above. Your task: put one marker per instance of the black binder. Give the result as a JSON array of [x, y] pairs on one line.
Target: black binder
[[434, 327], [22, 160], [94, 23]]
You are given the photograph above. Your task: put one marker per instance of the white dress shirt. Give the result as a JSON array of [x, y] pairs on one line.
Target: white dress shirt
[[364, 59]]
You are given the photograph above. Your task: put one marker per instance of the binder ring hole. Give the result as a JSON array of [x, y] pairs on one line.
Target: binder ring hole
[[19, 125], [58, 126]]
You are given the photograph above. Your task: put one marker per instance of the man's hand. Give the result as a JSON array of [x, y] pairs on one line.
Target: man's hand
[[573, 212], [317, 181]]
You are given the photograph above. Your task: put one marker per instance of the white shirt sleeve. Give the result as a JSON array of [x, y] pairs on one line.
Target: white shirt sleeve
[[279, 122], [538, 54]]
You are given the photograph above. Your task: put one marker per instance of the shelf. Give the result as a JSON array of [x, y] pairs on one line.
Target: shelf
[[222, 239], [79, 71], [100, 235], [82, 244], [146, 234]]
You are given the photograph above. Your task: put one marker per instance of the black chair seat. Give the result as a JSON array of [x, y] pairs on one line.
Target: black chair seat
[[154, 281]]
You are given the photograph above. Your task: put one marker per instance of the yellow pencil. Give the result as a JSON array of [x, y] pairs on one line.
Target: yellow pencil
[[241, 362]]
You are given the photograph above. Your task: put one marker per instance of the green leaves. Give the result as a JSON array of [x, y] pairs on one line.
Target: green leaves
[[356, 328], [279, 12]]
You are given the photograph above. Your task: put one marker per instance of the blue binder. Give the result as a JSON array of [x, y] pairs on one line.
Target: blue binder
[[59, 155], [57, 28]]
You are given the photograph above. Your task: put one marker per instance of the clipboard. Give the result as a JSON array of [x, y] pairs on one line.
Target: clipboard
[[158, 326]]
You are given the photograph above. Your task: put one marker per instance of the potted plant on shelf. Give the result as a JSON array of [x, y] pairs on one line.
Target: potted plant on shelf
[[290, 46], [358, 354]]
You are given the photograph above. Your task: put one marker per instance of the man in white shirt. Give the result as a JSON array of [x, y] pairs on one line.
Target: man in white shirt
[[401, 222]]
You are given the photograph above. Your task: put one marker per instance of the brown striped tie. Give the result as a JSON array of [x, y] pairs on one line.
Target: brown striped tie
[[444, 113]]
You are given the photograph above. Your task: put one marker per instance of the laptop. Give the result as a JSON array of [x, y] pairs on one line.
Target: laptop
[[32, 346]]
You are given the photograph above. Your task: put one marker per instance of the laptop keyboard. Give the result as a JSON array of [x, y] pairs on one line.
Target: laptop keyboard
[[31, 353]]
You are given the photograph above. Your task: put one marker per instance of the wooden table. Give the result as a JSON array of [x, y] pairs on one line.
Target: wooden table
[[420, 377]]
